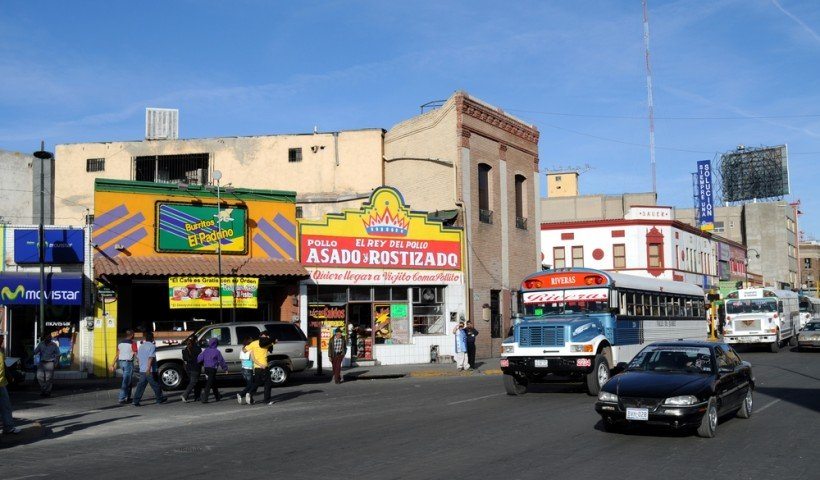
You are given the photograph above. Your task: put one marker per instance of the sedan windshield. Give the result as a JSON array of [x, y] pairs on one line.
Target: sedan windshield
[[813, 326], [672, 359]]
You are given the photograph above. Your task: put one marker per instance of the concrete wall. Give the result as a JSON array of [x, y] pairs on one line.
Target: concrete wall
[[592, 207], [343, 163], [728, 221], [20, 184]]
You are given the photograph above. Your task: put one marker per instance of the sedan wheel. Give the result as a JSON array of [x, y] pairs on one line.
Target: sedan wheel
[[746, 409], [708, 425]]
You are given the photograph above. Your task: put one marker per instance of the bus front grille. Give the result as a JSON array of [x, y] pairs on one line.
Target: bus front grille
[[542, 336]]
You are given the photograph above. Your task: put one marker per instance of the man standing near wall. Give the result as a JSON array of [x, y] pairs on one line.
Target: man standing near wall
[[471, 334]]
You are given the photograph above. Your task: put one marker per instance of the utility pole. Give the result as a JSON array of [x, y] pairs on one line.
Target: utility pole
[[650, 102]]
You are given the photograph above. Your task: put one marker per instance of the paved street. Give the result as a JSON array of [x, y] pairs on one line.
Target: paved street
[[415, 428]]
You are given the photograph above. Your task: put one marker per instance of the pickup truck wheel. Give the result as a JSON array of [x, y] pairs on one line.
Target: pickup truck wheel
[[279, 375], [515, 385], [598, 376], [708, 425], [171, 376]]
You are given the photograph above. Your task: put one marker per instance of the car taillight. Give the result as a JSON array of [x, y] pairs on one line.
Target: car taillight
[[307, 350]]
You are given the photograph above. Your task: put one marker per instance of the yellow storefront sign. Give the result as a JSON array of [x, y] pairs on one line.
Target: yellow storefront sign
[[205, 292]]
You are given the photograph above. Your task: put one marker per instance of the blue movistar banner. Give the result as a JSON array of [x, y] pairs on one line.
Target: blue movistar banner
[[24, 289], [62, 246]]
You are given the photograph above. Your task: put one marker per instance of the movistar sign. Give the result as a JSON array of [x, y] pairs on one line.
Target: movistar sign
[[24, 289]]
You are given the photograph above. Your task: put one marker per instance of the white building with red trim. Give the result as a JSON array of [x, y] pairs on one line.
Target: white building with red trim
[[646, 242]]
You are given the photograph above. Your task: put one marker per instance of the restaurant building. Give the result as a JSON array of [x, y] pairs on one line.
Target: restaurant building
[[67, 269], [390, 277], [177, 259]]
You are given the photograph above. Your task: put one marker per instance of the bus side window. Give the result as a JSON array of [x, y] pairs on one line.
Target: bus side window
[[780, 306]]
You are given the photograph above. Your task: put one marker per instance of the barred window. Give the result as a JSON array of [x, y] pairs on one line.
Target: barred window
[[428, 310], [294, 155], [95, 165]]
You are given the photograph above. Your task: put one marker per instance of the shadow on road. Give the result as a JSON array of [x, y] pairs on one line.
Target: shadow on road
[[284, 397], [803, 397]]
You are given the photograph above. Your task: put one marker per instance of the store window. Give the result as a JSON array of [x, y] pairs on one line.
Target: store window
[[619, 256], [361, 294], [428, 310], [578, 256], [327, 293], [559, 257]]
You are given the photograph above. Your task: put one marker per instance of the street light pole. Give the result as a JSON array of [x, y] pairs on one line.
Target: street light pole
[[217, 177], [757, 255], [43, 155]]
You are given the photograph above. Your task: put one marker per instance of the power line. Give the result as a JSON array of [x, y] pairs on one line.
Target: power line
[[646, 117]]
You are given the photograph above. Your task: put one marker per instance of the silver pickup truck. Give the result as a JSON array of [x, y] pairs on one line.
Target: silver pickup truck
[[289, 355]]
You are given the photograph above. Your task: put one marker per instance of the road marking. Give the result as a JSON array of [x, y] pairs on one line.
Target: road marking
[[764, 407], [477, 398], [29, 476]]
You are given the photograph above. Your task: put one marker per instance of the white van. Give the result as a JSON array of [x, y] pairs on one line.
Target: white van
[[762, 315]]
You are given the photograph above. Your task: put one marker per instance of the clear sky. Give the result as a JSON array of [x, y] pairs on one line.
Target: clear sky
[[726, 72]]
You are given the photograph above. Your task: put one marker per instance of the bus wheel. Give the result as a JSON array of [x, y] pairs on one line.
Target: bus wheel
[[793, 339], [774, 347], [598, 376], [515, 385]]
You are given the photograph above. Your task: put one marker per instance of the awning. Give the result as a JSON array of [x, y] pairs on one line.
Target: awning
[[23, 288], [200, 265]]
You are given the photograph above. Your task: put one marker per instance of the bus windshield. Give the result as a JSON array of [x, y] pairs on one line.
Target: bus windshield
[[805, 305], [566, 308], [755, 305]]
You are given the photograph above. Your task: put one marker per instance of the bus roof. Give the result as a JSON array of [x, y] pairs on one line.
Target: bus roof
[[568, 278]]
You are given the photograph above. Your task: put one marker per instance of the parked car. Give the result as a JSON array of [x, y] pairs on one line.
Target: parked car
[[289, 355], [809, 336], [683, 384]]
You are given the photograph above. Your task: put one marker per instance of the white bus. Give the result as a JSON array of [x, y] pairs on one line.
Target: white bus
[[579, 323], [762, 315], [809, 309]]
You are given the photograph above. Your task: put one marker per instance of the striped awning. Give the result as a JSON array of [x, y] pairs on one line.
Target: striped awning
[[199, 265]]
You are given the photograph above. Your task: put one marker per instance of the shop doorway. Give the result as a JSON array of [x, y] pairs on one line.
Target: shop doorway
[[361, 321]]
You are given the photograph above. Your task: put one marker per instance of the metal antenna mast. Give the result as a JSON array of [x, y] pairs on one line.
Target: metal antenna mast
[[649, 96]]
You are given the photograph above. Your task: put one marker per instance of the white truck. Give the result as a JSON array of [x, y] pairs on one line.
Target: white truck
[[762, 315]]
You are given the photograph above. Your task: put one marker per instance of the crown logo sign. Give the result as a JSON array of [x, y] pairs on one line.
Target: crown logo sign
[[386, 224]]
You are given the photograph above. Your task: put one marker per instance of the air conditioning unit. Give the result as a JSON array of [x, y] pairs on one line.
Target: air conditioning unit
[[161, 124]]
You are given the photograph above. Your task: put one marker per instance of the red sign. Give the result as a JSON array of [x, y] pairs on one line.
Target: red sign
[[382, 253], [564, 280]]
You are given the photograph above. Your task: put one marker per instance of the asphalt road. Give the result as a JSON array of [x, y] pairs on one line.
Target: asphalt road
[[458, 427]]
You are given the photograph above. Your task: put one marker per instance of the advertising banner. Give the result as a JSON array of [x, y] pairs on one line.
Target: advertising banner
[[326, 318], [61, 246], [24, 289], [185, 228], [204, 292], [383, 243], [706, 214]]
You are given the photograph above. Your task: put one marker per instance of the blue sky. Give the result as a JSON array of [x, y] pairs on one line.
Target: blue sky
[[85, 71]]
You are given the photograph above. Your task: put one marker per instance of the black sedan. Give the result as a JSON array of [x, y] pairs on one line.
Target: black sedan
[[684, 384]]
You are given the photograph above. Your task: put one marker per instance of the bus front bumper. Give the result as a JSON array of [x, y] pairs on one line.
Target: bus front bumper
[[562, 365]]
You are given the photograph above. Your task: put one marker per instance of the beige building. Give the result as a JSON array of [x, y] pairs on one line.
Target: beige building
[[562, 184], [479, 164], [593, 207], [331, 171]]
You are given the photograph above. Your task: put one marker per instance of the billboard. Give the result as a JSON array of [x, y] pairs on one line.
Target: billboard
[[61, 246], [186, 228], [706, 207], [204, 292], [24, 289], [754, 173]]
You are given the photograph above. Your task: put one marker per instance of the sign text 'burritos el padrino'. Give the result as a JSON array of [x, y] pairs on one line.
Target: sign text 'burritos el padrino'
[[199, 228], [382, 243]]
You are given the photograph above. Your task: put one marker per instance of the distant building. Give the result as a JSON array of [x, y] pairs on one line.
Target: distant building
[[20, 184], [562, 184], [810, 265], [645, 242], [593, 207], [767, 229]]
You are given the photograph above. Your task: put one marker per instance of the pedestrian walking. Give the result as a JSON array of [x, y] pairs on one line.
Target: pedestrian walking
[[49, 352], [471, 334], [211, 359], [461, 346], [5, 401], [124, 358], [261, 372], [147, 357], [190, 355], [336, 350], [247, 372]]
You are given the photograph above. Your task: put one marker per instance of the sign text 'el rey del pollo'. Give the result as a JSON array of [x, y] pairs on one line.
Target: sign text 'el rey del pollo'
[[382, 243]]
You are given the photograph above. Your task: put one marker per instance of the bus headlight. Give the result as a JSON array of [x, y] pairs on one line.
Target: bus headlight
[[507, 348], [581, 348]]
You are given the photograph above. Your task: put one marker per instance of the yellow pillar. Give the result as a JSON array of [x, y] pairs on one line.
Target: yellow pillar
[[105, 335]]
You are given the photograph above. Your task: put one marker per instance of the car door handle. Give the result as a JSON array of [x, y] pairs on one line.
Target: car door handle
[[228, 350]]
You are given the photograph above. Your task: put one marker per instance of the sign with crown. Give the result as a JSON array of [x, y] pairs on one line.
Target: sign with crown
[[383, 243]]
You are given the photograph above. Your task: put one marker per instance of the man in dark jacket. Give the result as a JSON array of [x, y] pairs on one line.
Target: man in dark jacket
[[336, 350], [471, 334], [211, 359], [194, 369]]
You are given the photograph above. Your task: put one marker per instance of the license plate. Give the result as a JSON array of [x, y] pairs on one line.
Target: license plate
[[583, 362], [746, 339], [542, 363], [637, 414]]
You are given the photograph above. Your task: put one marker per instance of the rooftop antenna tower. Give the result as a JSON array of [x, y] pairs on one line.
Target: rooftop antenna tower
[[649, 97]]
